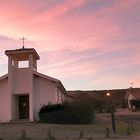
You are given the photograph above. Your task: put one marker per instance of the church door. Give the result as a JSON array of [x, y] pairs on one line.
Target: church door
[[24, 107]]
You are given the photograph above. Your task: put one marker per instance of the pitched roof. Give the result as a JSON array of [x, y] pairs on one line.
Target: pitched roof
[[58, 82]]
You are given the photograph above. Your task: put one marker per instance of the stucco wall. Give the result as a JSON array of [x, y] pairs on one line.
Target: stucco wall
[[130, 97], [22, 81], [4, 101], [44, 93]]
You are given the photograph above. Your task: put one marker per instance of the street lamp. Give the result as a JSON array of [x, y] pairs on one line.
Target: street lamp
[[112, 113]]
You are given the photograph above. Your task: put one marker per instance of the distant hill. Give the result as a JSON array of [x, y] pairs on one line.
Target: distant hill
[[117, 95]]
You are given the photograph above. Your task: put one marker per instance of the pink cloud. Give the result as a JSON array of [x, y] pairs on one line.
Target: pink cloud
[[59, 29], [59, 63], [109, 82], [23, 17], [61, 9], [53, 33]]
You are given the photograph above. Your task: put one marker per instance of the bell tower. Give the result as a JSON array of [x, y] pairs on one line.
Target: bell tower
[[21, 66], [22, 55]]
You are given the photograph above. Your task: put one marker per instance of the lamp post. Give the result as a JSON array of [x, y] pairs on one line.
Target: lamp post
[[112, 112]]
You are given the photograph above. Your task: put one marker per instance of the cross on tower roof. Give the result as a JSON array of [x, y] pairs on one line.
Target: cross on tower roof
[[131, 84], [23, 39]]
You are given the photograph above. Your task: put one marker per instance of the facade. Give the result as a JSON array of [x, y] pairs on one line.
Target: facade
[[23, 91], [132, 94]]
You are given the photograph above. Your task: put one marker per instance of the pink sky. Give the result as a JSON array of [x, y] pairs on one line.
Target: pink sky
[[87, 44]]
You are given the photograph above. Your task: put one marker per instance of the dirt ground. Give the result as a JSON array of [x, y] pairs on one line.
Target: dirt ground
[[95, 131]]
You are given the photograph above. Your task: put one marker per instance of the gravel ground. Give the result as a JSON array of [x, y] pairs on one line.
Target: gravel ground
[[37, 131], [95, 131]]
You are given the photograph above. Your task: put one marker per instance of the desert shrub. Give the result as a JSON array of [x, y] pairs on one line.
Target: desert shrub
[[68, 113], [51, 108]]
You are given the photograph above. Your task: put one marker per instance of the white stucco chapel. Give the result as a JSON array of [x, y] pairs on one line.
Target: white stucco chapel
[[23, 90]]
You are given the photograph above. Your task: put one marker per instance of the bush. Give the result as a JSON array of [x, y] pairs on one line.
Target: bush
[[68, 113], [51, 108]]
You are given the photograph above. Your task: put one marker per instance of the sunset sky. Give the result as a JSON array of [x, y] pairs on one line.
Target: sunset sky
[[87, 44]]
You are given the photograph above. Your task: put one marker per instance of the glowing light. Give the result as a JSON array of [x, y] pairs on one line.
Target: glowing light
[[108, 94]]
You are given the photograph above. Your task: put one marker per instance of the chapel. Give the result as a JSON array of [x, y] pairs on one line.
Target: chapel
[[23, 90]]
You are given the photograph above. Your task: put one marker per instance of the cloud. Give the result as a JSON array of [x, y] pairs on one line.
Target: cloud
[[24, 17], [76, 38], [69, 61]]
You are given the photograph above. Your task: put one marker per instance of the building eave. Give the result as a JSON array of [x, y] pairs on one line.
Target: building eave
[[21, 51], [60, 85], [56, 81]]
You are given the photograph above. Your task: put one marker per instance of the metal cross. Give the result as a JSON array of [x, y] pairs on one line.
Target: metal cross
[[23, 39], [131, 84]]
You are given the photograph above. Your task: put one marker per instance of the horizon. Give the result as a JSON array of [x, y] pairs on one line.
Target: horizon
[[86, 44], [104, 89]]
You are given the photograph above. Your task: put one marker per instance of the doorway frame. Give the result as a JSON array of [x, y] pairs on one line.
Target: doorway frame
[[15, 106], [23, 106]]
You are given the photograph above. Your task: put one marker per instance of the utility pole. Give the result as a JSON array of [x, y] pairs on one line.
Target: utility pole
[[131, 86], [113, 119]]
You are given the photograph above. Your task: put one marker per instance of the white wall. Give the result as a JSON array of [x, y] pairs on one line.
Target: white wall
[[15, 103], [20, 86], [21, 81], [59, 96], [4, 101], [130, 97], [44, 93]]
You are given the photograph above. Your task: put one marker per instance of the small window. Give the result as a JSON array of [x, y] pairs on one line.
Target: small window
[[23, 64]]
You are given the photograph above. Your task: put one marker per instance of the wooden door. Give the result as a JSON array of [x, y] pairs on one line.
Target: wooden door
[[24, 107]]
